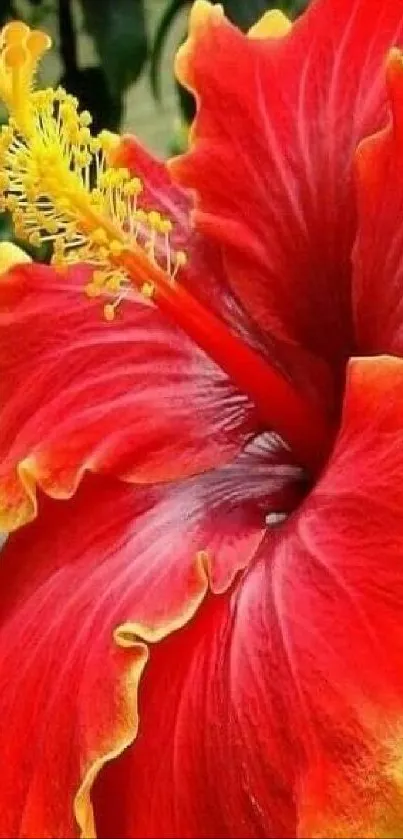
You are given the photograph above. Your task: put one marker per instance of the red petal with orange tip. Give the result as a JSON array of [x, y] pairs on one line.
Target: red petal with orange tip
[[272, 166], [278, 711], [378, 278], [134, 397], [88, 590]]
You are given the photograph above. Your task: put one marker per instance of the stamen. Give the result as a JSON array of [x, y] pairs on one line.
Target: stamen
[[148, 290], [21, 50], [57, 183]]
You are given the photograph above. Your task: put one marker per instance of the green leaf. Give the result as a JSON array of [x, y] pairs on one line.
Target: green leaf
[[172, 10], [119, 32], [90, 86], [187, 103], [6, 10]]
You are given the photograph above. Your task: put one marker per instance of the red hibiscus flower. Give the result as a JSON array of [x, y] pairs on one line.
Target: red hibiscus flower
[[204, 639]]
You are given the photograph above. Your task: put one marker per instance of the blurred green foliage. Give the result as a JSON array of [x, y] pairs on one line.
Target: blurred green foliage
[[119, 34]]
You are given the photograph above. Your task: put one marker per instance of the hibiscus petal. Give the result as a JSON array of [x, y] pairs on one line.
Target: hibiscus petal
[[133, 397], [378, 277], [344, 574], [279, 711], [272, 170], [87, 588]]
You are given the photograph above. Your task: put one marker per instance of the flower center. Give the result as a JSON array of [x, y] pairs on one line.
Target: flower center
[[56, 181]]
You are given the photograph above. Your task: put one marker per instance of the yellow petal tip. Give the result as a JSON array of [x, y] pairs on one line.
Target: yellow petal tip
[[202, 11], [11, 255], [202, 14], [273, 24]]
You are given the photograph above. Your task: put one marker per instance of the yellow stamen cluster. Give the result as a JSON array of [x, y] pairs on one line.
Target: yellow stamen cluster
[[56, 180]]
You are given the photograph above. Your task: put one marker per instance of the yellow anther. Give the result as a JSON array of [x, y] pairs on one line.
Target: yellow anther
[[128, 189], [148, 290], [85, 118], [65, 109], [109, 311], [103, 254], [166, 225], [84, 136], [99, 236], [98, 278], [116, 247], [51, 226], [108, 140], [154, 219], [114, 282], [181, 259], [104, 180], [92, 290], [133, 187], [34, 238], [94, 145]]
